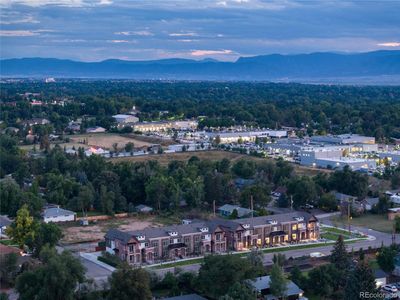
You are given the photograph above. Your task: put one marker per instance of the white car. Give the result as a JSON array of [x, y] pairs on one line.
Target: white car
[[390, 288]]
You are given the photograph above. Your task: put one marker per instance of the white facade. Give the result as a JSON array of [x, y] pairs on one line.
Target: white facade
[[344, 139], [393, 156], [120, 118], [96, 151], [395, 198], [56, 214], [247, 136]]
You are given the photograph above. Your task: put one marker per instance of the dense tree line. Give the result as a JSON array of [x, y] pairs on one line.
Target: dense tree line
[[92, 183], [367, 110]]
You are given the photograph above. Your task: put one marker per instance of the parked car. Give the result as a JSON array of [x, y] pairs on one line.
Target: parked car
[[390, 288]]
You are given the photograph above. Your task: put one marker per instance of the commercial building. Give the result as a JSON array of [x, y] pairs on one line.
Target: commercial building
[[165, 125], [391, 156], [246, 136], [125, 119], [151, 245], [96, 129], [332, 157], [347, 138]]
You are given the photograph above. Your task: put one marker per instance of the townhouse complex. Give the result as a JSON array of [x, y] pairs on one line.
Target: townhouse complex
[[151, 245]]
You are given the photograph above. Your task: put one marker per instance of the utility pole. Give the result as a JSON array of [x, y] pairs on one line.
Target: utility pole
[[394, 235], [214, 207], [291, 202], [348, 215], [251, 206]]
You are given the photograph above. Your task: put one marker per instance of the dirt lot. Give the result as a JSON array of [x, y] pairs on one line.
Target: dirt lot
[[375, 222], [107, 140], [95, 232]]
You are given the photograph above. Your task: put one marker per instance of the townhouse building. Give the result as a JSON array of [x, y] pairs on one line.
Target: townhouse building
[[152, 245]]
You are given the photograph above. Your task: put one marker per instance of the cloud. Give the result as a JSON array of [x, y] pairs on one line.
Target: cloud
[[187, 40], [180, 34], [118, 41], [138, 33], [210, 52], [13, 19], [10, 33], [389, 44]]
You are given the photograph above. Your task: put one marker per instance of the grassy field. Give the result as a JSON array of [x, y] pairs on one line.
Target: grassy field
[[375, 222], [8, 243], [213, 155]]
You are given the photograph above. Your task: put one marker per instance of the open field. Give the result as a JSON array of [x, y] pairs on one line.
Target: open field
[[375, 222], [106, 140], [165, 158], [103, 140]]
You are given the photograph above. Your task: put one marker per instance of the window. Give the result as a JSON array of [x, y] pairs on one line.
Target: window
[[131, 258], [131, 248], [146, 244], [154, 243], [197, 238], [187, 239], [294, 236], [218, 236], [165, 243], [239, 235], [294, 227]]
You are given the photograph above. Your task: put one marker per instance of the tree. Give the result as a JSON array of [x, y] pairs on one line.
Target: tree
[[218, 273], [321, 281], [279, 259], [107, 200], [255, 257], [386, 258], [361, 279], [23, 228], [327, 202], [234, 215], [8, 267], [162, 192], [303, 191], [297, 277], [46, 234], [57, 278], [129, 147], [260, 194], [278, 284], [397, 224], [244, 168], [339, 256], [127, 283], [240, 291]]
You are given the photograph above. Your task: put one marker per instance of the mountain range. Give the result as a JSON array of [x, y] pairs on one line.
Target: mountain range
[[315, 67]]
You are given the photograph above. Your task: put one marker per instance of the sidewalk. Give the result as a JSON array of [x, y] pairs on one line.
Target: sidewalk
[[92, 256]]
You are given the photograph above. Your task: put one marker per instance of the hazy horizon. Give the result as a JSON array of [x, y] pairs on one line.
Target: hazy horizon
[[88, 30]]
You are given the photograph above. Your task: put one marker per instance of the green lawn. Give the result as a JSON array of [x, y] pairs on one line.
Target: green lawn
[[8, 243], [375, 222]]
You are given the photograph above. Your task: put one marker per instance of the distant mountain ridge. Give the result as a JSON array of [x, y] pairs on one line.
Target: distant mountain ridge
[[274, 67]]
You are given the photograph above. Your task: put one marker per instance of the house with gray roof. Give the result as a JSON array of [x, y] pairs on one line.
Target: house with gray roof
[[262, 286], [227, 209], [57, 214], [4, 223]]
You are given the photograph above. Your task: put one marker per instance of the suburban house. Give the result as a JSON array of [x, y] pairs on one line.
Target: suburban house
[[96, 151], [4, 223], [143, 208], [393, 213], [369, 203], [151, 245], [57, 214], [262, 286], [35, 121], [227, 209], [96, 129]]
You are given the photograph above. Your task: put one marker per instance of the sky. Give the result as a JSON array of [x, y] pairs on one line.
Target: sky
[[95, 30]]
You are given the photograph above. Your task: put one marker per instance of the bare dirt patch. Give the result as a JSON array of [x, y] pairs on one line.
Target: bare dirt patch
[[107, 140], [96, 232]]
